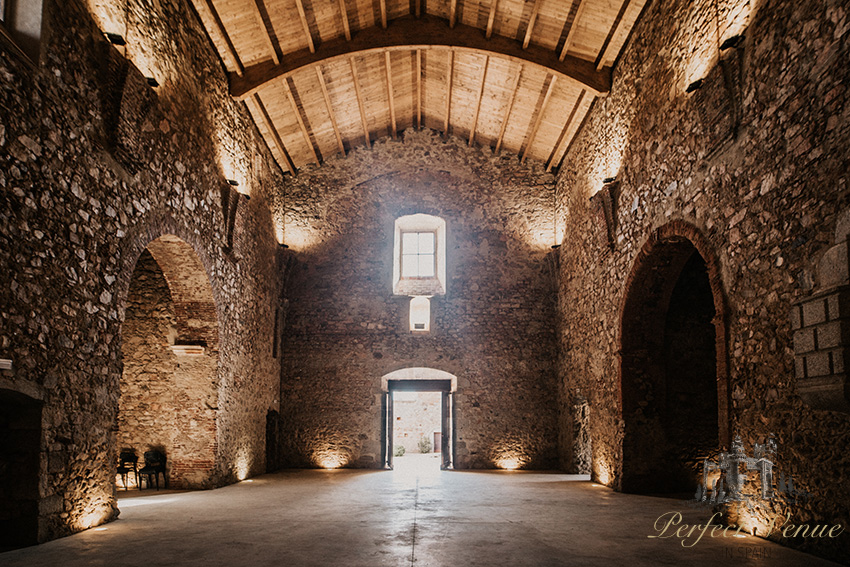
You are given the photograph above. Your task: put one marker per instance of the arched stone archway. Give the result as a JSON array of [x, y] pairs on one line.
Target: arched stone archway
[[673, 369], [170, 349]]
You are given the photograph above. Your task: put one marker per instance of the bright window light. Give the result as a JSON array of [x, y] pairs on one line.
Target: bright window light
[[418, 257], [420, 314]]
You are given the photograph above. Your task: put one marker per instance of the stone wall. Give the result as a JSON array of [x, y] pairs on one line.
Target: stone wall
[[95, 164], [493, 329], [756, 163]]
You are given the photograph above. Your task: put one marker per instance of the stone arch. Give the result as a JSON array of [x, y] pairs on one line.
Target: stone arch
[[418, 373], [674, 291], [170, 350]]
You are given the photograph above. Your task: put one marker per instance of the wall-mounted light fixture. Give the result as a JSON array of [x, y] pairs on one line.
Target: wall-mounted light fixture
[[115, 39], [608, 180], [734, 41], [696, 85], [5, 364], [233, 182], [284, 246], [152, 82], [555, 246]]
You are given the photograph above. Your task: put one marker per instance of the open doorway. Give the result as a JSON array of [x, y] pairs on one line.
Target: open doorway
[[169, 393], [673, 384], [417, 430], [20, 461], [418, 424]]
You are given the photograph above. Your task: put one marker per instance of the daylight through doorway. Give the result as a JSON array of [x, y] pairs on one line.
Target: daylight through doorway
[[417, 430]]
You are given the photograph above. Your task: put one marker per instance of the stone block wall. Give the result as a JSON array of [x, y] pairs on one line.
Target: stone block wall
[[761, 176], [416, 418], [95, 164], [493, 329]]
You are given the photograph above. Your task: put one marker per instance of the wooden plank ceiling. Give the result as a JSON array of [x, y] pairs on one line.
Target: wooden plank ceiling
[[322, 76]]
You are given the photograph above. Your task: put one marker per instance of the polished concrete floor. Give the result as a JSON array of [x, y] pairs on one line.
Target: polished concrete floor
[[397, 518]]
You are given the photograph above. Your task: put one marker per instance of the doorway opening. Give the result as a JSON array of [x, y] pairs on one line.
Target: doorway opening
[[672, 374], [417, 430], [418, 421], [20, 458], [169, 388]]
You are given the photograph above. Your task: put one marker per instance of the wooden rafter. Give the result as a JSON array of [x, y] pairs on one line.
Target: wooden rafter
[[418, 88], [417, 8], [582, 4], [564, 130], [297, 112], [231, 51], [266, 33], [360, 101], [539, 120], [604, 53], [303, 15], [450, 71], [321, 76], [390, 99], [427, 32], [514, 89], [491, 19], [452, 13], [343, 14], [260, 111], [478, 103], [531, 20], [384, 14]]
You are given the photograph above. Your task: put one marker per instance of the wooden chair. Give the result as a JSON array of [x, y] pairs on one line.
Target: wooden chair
[[128, 462], [154, 466]]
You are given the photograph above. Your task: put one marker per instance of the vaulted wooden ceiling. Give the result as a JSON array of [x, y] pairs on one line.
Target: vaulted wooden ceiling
[[321, 76]]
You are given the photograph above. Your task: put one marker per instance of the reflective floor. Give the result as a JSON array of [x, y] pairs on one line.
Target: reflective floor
[[409, 516]]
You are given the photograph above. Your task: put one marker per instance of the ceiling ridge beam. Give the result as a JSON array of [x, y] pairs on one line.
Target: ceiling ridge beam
[[425, 33], [533, 136]]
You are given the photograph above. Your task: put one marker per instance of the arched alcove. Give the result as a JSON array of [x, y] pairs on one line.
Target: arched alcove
[[170, 349], [672, 363], [20, 447]]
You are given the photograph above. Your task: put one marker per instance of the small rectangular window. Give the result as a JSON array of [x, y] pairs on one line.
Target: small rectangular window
[[418, 255]]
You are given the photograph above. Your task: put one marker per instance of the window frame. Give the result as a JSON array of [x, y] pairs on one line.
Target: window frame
[[429, 285], [432, 254]]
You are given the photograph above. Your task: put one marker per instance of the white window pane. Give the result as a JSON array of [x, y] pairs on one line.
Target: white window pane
[[409, 266], [410, 242], [426, 242], [426, 266]]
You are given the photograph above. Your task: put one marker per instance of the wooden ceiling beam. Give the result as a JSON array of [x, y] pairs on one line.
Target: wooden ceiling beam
[[266, 33], [321, 76], [491, 19], [450, 71], [426, 33], [452, 13], [260, 110], [418, 88], [301, 125], [346, 26], [303, 15], [582, 4], [390, 99], [607, 47], [360, 101], [539, 120], [212, 14], [417, 8], [531, 20], [564, 130], [478, 103], [508, 109], [384, 14]]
